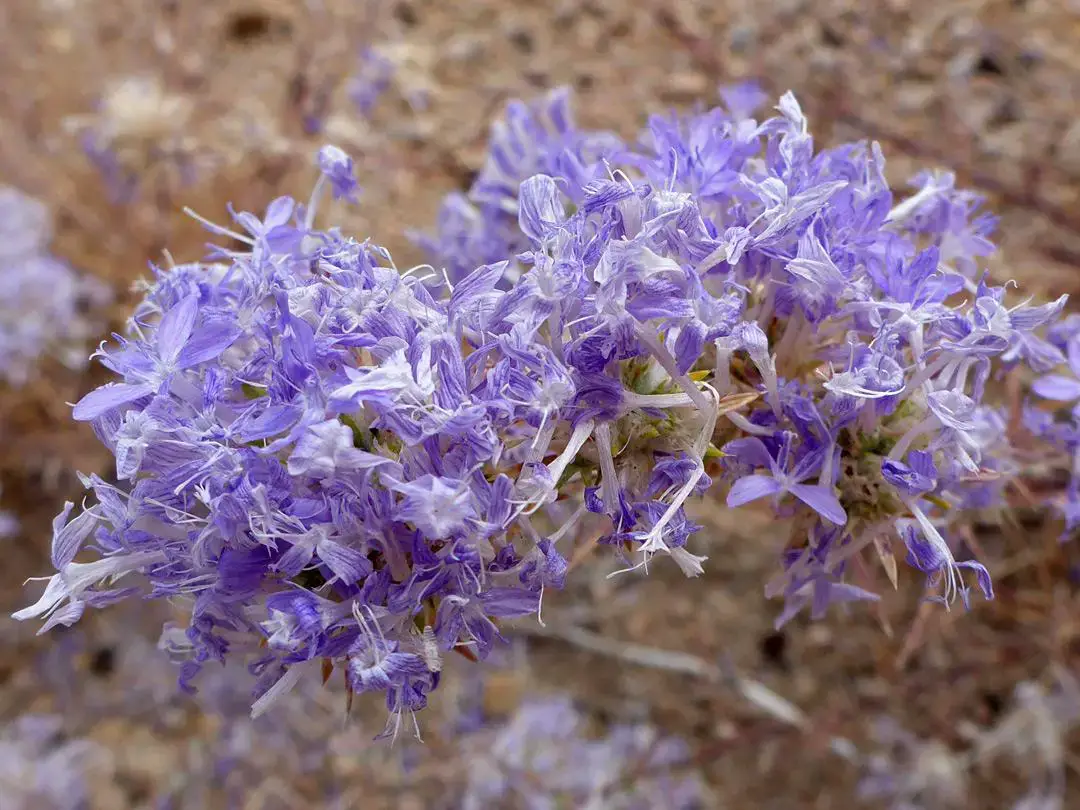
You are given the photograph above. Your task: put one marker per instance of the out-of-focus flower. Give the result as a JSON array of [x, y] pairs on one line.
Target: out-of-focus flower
[[909, 773], [47, 308], [542, 759], [39, 769], [370, 81], [1032, 735]]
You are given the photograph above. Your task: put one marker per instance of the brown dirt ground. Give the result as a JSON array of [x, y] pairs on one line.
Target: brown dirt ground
[[990, 88]]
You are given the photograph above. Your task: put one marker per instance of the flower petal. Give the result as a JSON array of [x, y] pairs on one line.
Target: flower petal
[[56, 591], [175, 328], [750, 488], [208, 342], [1057, 387], [1072, 349], [69, 536], [821, 500], [295, 559], [108, 397], [751, 451], [348, 564], [510, 602]]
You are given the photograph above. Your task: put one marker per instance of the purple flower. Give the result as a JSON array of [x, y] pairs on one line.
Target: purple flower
[[783, 210], [370, 81], [819, 590], [377, 665], [439, 507], [919, 475], [337, 167], [344, 562], [326, 448], [872, 375], [816, 280], [928, 552], [151, 368], [1060, 387], [541, 138], [779, 480], [671, 472]]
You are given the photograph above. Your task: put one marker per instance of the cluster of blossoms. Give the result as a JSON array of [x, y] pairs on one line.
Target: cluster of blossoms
[[541, 760], [340, 465], [1059, 431], [46, 303]]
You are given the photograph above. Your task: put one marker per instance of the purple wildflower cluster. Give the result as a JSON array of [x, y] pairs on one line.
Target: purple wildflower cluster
[[45, 301], [340, 465], [1059, 428]]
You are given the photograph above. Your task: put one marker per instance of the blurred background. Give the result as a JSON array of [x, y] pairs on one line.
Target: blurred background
[[114, 114]]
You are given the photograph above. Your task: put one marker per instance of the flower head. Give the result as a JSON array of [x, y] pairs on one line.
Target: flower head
[[348, 466], [47, 307]]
